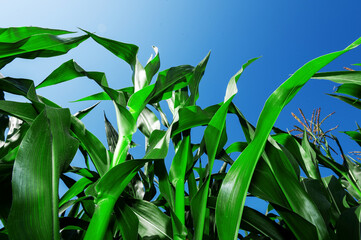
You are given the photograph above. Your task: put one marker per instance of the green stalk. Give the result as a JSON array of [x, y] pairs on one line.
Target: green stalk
[[100, 220]]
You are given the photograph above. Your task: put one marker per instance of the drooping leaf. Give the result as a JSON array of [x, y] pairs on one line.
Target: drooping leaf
[[14, 34], [38, 45], [125, 51]]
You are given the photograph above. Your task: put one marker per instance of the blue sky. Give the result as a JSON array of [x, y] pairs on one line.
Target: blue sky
[[286, 34]]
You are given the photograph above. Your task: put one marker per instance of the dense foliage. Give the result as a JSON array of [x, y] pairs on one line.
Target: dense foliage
[[126, 198]]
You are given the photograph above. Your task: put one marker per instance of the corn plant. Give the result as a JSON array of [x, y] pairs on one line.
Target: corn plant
[[127, 198]]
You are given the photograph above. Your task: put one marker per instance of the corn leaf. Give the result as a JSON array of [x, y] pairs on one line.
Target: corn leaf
[[235, 185], [45, 151], [342, 77]]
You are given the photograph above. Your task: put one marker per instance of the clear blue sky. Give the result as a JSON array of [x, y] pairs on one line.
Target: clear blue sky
[[286, 34]]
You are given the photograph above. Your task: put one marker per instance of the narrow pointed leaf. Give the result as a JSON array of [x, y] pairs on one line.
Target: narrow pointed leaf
[[341, 77], [352, 101]]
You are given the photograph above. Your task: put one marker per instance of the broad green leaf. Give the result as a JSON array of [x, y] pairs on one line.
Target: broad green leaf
[[235, 186], [23, 87], [147, 122], [152, 221], [340, 77], [262, 224], [38, 45], [318, 194], [108, 190], [125, 51], [337, 194], [158, 144], [35, 189], [116, 179], [348, 225], [356, 136], [353, 90], [14, 34], [193, 116], [128, 222]]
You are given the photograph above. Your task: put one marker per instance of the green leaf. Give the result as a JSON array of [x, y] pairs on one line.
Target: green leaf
[[232, 85], [112, 135], [351, 89], [108, 190], [340, 77], [46, 150], [196, 78], [128, 222], [193, 116], [125, 51], [235, 185], [23, 87], [38, 45], [14, 34], [77, 188], [148, 122], [158, 144], [348, 225], [152, 66], [356, 136], [92, 145], [82, 113], [152, 221], [352, 101]]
